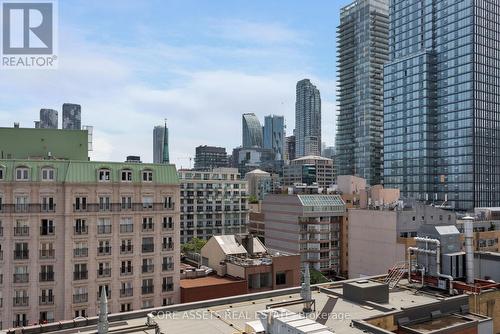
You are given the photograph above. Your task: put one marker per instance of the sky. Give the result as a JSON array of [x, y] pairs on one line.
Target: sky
[[199, 64]]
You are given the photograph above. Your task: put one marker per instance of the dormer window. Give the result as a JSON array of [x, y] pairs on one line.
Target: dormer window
[[48, 174], [126, 175], [22, 174], [104, 175], [147, 176]]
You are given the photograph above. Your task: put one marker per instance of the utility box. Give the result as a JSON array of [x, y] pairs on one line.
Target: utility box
[[364, 290]]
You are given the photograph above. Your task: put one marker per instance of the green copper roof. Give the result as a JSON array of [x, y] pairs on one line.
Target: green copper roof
[[25, 143], [322, 202], [87, 171]]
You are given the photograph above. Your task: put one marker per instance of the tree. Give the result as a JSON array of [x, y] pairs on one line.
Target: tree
[[194, 246], [252, 199]]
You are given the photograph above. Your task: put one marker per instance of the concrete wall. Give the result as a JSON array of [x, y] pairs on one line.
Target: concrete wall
[[349, 184]]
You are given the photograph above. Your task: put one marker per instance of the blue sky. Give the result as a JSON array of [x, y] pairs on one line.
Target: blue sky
[[201, 64]]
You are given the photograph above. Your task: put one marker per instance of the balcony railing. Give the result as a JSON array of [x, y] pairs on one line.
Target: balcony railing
[[21, 278], [148, 289], [21, 254], [21, 231], [126, 228], [148, 268], [147, 228], [128, 249], [169, 246], [27, 208], [47, 207], [168, 287], [167, 266], [80, 275], [81, 230], [20, 301], [117, 207], [148, 248], [126, 271], [47, 276], [80, 298], [104, 229], [19, 323], [47, 253], [47, 230], [46, 300], [80, 252], [127, 292], [104, 272], [104, 250]]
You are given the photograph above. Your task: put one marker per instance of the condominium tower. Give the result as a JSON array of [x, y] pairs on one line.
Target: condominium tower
[[72, 116], [362, 51], [442, 102], [70, 230], [49, 119], [307, 119], [274, 135], [160, 144], [212, 203], [251, 131]]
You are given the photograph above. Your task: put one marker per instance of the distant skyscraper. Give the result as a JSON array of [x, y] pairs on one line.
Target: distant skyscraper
[[307, 119], [363, 49], [72, 116], [274, 134], [209, 157], [49, 119], [160, 144], [442, 102], [252, 131], [290, 148]]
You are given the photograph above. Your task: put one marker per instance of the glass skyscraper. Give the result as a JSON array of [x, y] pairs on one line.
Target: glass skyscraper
[[251, 131], [442, 102], [160, 144], [72, 116], [307, 119], [274, 134], [362, 39]]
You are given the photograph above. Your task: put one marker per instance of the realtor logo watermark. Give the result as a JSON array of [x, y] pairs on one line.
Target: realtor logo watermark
[[29, 34]]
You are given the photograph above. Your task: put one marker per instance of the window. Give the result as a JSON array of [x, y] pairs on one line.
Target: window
[[2, 173], [147, 202], [126, 202], [81, 203], [147, 176], [22, 174], [104, 175], [126, 175], [48, 174], [104, 203]]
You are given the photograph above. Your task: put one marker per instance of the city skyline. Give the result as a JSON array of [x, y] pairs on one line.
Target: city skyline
[[242, 70]]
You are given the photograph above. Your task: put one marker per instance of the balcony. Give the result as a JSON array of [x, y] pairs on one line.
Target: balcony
[[168, 226], [167, 246], [46, 300], [21, 254], [148, 228], [167, 266], [21, 231], [20, 301], [147, 289], [19, 323], [104, 229], [117, 207], [168, 287], [80, 298], [80, 252], [102, 251], [148, 268], [148, 248], [47, 254], [21, 278], [80, 275], [103, 272], [80, 230], [126, 228], [128, 249], [47, 276], [127, 292], [126, 271], [48, 208], [80, 207]]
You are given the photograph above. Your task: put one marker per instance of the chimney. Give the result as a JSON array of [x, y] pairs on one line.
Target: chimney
[[469, 249]]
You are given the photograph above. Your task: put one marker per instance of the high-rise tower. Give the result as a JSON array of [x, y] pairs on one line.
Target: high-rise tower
[[363, 49], [274, 135], [251, 131], [307, 119]]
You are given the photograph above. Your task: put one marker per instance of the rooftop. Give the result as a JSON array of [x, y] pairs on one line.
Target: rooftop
[[207, 281], [230, 315], [312, 157]]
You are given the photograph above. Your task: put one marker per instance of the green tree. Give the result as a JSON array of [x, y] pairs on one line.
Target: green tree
[[252, 199], [195, 245]]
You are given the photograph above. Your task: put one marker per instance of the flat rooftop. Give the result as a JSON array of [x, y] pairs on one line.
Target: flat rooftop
[[207, 281], [430, 326], [230, 315]]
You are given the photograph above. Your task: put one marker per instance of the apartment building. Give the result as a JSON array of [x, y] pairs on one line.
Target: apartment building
[[308, 224], [212, 203], [71, 229], [309, 169]]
